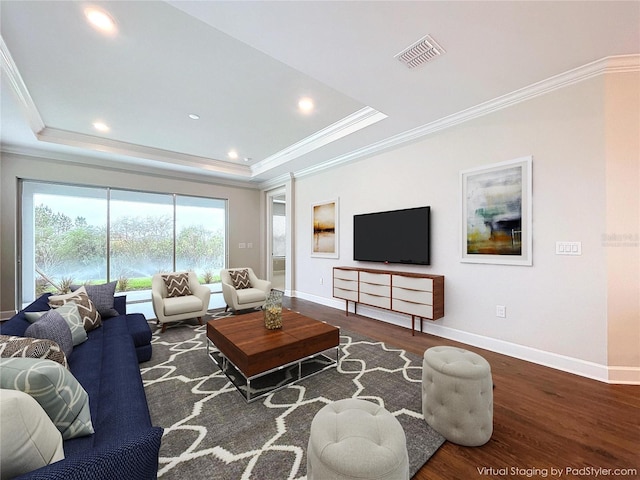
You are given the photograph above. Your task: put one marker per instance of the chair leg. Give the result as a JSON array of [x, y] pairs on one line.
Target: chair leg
[[226, 308], [164, 327], [200, 320]]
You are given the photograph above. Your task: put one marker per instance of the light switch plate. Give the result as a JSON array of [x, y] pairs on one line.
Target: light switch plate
[[568, 248]]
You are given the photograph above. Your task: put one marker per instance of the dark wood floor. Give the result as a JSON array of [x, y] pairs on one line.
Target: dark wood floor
[[543, 419]]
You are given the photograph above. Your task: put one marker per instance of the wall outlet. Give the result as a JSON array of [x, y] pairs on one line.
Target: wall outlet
[[321, 281], [242, 245], [501, 311]]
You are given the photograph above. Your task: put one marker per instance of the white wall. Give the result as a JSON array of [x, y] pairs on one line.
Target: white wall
[[245, 224], [557, 308]]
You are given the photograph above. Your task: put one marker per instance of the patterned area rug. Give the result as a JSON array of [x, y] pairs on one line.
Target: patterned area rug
[[212, 432]]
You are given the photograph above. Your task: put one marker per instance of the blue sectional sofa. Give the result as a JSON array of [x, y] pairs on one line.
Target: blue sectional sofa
[[125, 444]]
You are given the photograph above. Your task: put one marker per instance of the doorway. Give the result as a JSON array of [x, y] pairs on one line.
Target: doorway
[[278, 240]]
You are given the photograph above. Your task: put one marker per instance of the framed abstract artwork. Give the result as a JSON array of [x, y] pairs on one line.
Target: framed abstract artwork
[[497, 213], [324, 239]]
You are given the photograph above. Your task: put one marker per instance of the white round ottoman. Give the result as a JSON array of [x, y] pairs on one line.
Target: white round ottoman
[[457, 395], [356, 439]]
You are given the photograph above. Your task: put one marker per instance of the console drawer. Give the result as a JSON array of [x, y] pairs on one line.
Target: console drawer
[[414, 296], [345, 274], [376, 278], [419, 309], [345, 284], [375, 300], [345, 294], [379, 290], [413, 283]]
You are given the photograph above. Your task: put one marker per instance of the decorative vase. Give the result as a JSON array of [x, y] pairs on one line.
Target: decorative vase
[[272, 310]]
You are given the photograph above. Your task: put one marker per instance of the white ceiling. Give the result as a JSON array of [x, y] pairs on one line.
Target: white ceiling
[[242, 66]]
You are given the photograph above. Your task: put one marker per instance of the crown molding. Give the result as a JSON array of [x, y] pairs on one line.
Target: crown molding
[[346, 126], [621, 64], [106, 145], [65, 158], [17, 84], [276, 181], [607, 65]]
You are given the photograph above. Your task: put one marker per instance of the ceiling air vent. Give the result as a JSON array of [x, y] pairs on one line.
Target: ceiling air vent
[[423, 51]]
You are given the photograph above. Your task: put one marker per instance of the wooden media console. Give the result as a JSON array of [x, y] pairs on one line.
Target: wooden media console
[[416, 294]]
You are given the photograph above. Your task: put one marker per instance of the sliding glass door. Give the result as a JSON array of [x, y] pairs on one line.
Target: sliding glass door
[[64, 237], [140, 237], [75, 235], [200, 236]]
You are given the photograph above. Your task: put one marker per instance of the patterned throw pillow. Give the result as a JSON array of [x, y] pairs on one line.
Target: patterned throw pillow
[[177, 284], [90, 316], [102, 297], [240, 279], [69, 311], [52, 326], [14, 347], [54, 388]]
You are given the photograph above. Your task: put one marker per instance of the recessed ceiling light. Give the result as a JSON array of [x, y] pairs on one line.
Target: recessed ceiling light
[[100, 20], [305, 105], [232, 154], [193, 116], [100, 126]]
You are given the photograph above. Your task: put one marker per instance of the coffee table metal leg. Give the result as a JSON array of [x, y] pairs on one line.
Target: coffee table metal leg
[[225, 365]]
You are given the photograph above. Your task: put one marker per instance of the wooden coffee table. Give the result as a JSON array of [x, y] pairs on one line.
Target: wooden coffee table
[[259, 361]]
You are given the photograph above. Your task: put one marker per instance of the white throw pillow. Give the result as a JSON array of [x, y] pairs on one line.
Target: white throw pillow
[[28, 438]]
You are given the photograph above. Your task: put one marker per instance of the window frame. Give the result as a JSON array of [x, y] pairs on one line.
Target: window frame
[[20, 234]]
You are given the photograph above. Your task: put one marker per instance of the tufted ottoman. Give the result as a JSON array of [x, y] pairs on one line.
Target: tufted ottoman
[[355, 439], [457, 395]]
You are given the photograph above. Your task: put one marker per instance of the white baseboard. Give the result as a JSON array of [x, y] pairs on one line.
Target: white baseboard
[[327, 302], [624, 375], [548, 359], [595, 371]]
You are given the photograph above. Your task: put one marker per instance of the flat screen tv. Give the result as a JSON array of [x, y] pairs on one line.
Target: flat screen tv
[[396, 236]]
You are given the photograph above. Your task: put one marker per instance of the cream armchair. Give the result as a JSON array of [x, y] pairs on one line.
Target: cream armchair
[[179, 302], [241, 297]]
